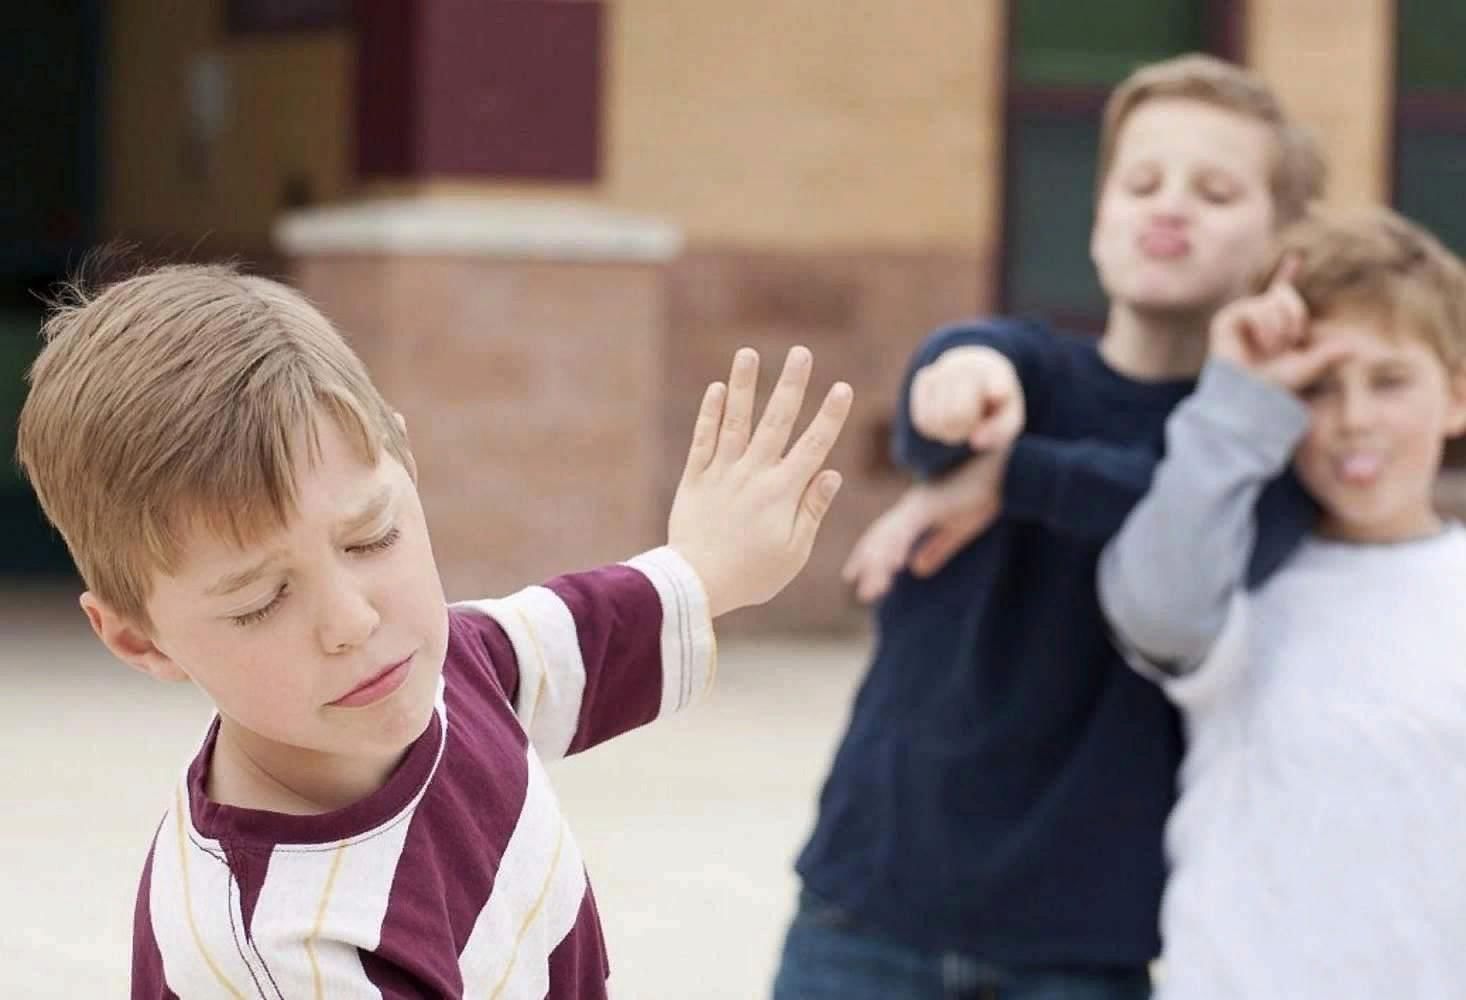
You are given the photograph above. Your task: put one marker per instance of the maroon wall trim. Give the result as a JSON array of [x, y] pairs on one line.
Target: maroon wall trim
[[487, 88]]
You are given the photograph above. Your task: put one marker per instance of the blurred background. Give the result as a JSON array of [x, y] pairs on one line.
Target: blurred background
[[545, 225]]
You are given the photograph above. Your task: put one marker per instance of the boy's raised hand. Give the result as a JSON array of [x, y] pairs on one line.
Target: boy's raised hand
[[970, 395], [746, 513], [1268, 335]]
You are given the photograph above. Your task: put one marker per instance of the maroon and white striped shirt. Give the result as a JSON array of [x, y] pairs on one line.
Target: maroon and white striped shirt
[[458, 877]]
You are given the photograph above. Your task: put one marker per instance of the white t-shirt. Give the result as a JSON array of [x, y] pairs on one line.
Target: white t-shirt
[[1319, 845]]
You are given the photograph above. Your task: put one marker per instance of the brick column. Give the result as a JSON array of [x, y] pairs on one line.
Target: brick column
[[525, 344], [1332, 62]]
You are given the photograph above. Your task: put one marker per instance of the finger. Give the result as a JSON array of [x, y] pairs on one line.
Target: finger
[[875, 576], [944, 542], [860, 554], [774, 427], [967, 400], [813, 447], [1303, 367], [813, 507], [1287, 271], [998, 429], [738, 410], [1003, 422], [1272, 326], [1251, 336], [705, 429], [1295, 312], [876, 582]]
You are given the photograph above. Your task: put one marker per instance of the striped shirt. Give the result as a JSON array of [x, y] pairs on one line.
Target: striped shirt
[[459, 876]]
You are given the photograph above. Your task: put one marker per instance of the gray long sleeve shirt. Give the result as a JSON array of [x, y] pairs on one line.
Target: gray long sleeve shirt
[[1166, 580]]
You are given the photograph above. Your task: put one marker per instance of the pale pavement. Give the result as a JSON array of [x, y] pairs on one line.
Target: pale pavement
[[689, 827]]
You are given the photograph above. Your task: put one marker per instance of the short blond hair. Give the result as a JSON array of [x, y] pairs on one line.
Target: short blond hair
[[1376, 263], [1298, 172], [179, 398]]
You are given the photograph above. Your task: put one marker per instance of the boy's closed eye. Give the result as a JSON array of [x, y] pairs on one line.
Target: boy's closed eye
[[380, 544], [1142, 179], [1218, 188], [1389, 379]]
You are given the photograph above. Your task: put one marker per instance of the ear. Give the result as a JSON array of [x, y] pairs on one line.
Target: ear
[[1456, 409], [128, 642]]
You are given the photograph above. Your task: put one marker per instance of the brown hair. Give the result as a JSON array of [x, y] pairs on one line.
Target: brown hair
[[179, 398], [1299, 173], [1380, 264]]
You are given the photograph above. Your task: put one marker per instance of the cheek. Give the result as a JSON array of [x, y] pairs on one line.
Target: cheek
[[1242, 240]]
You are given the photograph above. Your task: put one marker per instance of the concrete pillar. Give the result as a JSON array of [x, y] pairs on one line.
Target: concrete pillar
[[1332, 62], [524, 342]]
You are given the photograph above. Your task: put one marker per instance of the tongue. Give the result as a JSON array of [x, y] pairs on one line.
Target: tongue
[[1360, 468]]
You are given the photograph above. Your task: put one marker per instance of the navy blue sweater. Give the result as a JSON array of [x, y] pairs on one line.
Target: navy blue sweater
[[1003, 785]]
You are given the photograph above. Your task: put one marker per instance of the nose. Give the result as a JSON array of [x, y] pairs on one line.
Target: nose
[[1356, 408], [348, 617]]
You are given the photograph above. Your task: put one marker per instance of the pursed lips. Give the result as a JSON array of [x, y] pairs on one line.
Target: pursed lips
[[370, 682]]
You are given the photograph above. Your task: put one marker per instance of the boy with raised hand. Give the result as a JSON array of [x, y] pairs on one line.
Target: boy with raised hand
[[992, 822], [1316, 845], [368, 815]]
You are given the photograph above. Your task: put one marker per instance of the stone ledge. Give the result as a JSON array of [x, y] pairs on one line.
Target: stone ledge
[[478, 227]]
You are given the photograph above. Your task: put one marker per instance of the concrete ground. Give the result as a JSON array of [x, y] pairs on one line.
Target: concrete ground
[[689, 827]]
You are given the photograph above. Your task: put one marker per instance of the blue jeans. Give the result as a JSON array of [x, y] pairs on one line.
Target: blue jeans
[[827, 957]]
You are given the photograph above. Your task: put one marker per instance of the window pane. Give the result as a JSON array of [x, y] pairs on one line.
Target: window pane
[[1051, 205], [1430, 179], [1063, 43], [1430, 33]]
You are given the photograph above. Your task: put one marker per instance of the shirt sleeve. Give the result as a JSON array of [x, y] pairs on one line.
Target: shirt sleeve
[[1171, 577], [588, 656]]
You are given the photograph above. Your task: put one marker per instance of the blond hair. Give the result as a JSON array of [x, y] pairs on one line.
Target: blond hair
[[180, 398], [1381, 265], [1298, 171]]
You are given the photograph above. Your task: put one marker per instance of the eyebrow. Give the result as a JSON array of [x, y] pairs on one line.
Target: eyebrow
[[370, 512], [363, 517], [226, 585]]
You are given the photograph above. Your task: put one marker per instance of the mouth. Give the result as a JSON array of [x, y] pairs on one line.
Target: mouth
[[380, 685], [1358, 468], [1163, 244]]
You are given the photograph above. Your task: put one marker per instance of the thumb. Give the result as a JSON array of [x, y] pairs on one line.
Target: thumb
[[813, 507], [1000, 425]]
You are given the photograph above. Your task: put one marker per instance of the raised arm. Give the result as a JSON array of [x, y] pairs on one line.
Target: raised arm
[[591, 655], [1167, 579]]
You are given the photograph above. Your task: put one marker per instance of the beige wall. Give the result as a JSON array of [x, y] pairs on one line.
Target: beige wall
[[826, 124], [1333, 63], [818, 125], [288, 113], [823, 123]]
